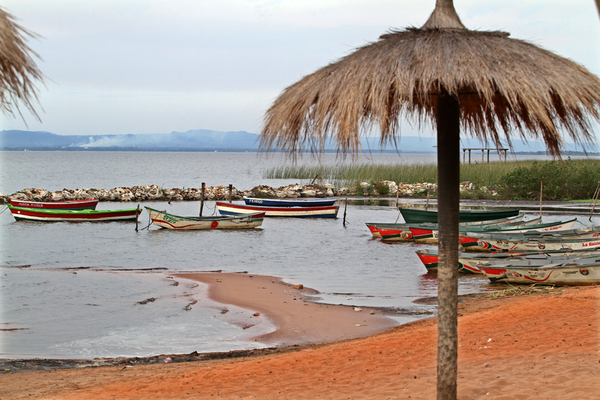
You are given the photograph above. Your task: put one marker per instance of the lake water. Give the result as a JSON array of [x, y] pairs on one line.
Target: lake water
[[78, 290]]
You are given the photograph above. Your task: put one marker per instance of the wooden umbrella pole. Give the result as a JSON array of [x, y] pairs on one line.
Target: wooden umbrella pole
[[448, 140]]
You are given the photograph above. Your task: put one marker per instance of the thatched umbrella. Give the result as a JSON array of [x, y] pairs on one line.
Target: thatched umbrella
[[483, 83], [18, 71]]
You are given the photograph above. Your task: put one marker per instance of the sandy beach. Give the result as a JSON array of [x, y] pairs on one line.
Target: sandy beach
[[542, 345]]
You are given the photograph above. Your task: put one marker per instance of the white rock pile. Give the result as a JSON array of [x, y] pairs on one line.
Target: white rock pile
[[157, 193]]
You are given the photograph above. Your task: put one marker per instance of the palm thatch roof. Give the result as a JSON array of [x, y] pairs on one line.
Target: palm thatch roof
[[18, 71], [503, 85]]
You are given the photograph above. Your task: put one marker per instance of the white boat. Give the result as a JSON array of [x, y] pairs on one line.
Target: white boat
[[472, 262], [172, 221], [296, 212], [569, 273]]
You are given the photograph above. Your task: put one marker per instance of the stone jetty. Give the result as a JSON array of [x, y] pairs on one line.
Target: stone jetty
[[157, 193]]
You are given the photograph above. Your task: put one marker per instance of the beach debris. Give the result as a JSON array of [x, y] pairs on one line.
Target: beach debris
[[150, 300], [361, 324], [357, 309], [372, 313], [168, 360], [256, 314], [298, 287], [188, 307]]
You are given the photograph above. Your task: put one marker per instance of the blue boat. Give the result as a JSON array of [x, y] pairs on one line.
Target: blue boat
[[254, 201]]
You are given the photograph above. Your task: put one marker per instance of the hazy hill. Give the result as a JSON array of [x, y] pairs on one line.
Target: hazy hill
[[207, 140]]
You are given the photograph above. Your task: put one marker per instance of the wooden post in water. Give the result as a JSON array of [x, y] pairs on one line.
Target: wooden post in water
[[595, 198], [230, 190], [137, 216], [345, 206], [202, 198], [427, 204], [541, 193]]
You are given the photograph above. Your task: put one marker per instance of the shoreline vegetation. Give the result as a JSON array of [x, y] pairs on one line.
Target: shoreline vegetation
[[501, 180], [566, 180]]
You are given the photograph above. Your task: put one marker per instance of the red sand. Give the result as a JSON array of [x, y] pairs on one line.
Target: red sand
[[527, 347]]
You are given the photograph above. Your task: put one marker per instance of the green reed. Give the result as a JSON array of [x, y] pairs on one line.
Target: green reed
[[567, 179]]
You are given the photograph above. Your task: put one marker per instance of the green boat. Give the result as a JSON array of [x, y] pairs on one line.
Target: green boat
[[53, 215], [416, 215]]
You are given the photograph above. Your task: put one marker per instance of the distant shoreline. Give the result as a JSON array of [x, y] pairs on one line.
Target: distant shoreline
[[225, 150]]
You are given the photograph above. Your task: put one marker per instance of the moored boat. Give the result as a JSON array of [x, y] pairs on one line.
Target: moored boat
[[296, 212], [470, 262], [416, 215], [253, 201], [506, 243], [45, 215], [177, 222], [430, 234], [88, 204], [569, 273], [376, 227]]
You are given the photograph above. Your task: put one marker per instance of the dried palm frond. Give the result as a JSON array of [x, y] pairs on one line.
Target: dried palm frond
[[18, 70], [503, 85]]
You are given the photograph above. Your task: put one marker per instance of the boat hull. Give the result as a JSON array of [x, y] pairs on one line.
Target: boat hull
[[295, 212], [376, 227], [415, 215], [474, 263], [498, 245], [431, 235], [44, 215], [567, 274], [57, 205], [253, 201], [177, 222]]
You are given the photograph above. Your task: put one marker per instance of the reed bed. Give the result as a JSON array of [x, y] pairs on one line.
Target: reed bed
[[566, 179]]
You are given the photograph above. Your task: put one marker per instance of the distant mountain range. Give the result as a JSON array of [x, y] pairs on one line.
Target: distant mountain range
[[207, 140]]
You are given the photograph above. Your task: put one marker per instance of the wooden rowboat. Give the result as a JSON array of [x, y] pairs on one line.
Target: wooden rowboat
[[297, 212], [57, 205], [504, 243], [430, 234], [552, 274], [172, 221], [253, 201], [416, 215], [376, 227], [45, 215], [473, 262]]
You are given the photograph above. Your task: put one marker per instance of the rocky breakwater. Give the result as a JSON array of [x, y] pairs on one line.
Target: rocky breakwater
[[157, 193]]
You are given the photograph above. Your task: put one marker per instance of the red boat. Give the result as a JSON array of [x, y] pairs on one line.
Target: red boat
[[40, 214], [56, 205]]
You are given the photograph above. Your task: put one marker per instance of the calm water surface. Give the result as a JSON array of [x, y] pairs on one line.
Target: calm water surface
[[79, 290]]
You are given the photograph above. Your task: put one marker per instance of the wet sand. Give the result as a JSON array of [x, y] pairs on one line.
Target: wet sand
[[298, 319], [544, 345]]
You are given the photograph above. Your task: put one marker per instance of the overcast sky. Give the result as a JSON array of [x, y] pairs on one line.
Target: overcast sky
[[156, 66]]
